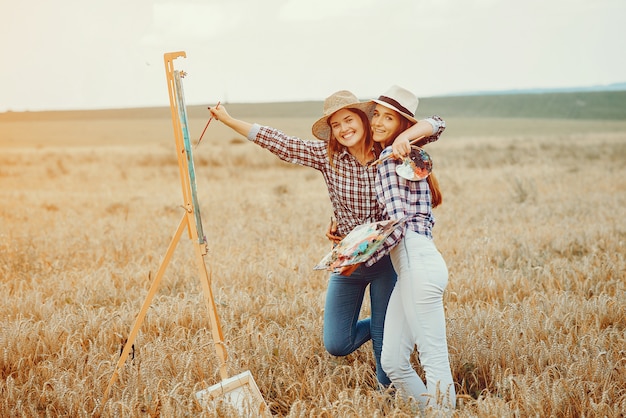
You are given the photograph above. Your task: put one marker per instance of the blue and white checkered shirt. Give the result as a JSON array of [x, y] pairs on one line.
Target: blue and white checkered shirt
[[400, 198]]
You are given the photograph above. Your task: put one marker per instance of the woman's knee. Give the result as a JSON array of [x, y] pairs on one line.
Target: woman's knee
[[337, 348], [392, 364]]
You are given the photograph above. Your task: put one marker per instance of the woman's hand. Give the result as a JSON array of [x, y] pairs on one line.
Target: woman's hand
[[219, 112], [348, 270], [331, 233], [401, 146]]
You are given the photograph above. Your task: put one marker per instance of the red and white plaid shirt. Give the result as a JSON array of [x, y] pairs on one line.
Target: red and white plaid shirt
[[350, 184]]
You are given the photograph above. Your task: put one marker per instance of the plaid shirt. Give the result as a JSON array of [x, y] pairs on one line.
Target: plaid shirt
[[400, 198], [350, 184]]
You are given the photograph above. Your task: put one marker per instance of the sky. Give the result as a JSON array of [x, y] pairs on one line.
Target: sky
[[98, 54]]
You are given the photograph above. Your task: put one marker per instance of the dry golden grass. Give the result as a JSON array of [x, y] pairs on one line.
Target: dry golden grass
[[532, 228]]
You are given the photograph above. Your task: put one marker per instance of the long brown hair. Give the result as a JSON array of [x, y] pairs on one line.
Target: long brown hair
[[436, 198], [335, 147]]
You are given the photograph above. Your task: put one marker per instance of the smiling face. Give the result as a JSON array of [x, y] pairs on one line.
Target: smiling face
[[386, 125], [347, 127]]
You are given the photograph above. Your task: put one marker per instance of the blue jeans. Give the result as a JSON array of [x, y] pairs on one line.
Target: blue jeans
[[343, 331]]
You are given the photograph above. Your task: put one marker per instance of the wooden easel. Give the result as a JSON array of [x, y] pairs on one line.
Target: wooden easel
[[240, 389]]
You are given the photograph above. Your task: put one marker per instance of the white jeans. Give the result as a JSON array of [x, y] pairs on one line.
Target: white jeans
[[415, 316]]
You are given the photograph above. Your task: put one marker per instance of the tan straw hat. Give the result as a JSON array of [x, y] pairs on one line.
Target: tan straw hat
[[401, 100], [342, 99]]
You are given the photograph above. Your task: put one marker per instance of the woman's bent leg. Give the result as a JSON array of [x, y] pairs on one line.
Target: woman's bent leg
[[343, 332]]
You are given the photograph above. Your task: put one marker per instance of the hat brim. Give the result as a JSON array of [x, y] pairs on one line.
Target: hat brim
[[388, 106], [320, 128]]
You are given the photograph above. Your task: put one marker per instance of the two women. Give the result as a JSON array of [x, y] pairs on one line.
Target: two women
[[347, 146]]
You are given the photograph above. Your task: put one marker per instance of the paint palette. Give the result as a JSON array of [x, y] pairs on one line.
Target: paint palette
[[416, 166], [358, 246]]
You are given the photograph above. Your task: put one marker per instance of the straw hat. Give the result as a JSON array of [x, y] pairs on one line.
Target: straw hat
[[401, 100], [342, 99]]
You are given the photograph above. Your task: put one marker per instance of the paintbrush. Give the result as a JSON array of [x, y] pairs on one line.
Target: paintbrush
[[207, 125]]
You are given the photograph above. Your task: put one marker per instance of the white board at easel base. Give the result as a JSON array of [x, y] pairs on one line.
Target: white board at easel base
[[239, 391]]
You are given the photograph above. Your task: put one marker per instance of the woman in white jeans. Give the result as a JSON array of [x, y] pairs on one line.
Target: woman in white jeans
[[415, 314]]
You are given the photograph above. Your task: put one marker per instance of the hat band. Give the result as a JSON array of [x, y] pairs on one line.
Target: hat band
[[395, 104]]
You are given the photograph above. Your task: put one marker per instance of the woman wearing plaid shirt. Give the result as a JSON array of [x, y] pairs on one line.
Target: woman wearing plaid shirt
[[341, 156], [415, 314]]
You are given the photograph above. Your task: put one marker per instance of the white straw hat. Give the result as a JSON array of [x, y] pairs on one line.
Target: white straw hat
[[342, 99], [401, 100]]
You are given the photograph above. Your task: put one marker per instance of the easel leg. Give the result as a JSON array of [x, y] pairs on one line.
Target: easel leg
[[146, 304], [216, 328]]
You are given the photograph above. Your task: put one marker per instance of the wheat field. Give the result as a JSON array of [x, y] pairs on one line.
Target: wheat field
[[532, 228]]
